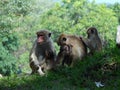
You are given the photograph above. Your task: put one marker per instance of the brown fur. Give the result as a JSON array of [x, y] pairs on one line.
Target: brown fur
[[78, 49]]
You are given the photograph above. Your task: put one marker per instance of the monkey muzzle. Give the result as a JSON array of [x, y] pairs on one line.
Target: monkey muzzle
[[40, 38]]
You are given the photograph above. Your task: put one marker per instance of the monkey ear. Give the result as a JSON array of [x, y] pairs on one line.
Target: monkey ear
[[49, 34]]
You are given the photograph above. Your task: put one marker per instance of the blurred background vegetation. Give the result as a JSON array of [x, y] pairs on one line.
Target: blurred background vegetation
[[20, 19]]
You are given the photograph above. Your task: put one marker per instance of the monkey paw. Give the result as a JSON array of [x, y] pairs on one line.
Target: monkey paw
[[40, 72]]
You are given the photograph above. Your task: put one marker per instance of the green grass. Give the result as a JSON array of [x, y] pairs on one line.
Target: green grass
[[102, 67]]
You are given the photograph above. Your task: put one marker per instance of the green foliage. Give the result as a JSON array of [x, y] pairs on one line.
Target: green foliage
[[20, 19], [7, 37], [74, 17], [15, 7], [7, 62], [10, 14], [116, 9]]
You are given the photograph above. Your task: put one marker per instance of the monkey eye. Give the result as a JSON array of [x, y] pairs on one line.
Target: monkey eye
[[38, 35], [64, 39]]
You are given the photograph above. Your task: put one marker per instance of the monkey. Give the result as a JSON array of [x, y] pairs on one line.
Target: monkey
[[65, 51], [42, 53], [118, 37], [73, 49], [93, 41]]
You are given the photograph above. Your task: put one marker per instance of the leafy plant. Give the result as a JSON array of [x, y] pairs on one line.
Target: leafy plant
[[7, 62]]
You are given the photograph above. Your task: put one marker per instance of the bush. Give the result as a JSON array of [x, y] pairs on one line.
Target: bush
[[75, 17], [7, 62], [11, 12]]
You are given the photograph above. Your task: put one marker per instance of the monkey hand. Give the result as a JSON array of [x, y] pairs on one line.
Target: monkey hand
[[49, 54], [40, 72]]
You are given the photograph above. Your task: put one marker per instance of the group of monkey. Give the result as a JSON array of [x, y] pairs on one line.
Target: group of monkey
[[72, 48]]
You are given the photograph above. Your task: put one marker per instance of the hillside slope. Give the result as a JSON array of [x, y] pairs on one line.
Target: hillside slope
[[102, 67]]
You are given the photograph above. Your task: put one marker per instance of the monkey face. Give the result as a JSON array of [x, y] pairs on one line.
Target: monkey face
[[43, 36], [66, 49], [62, 39], [40, 38], [92, 31]]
